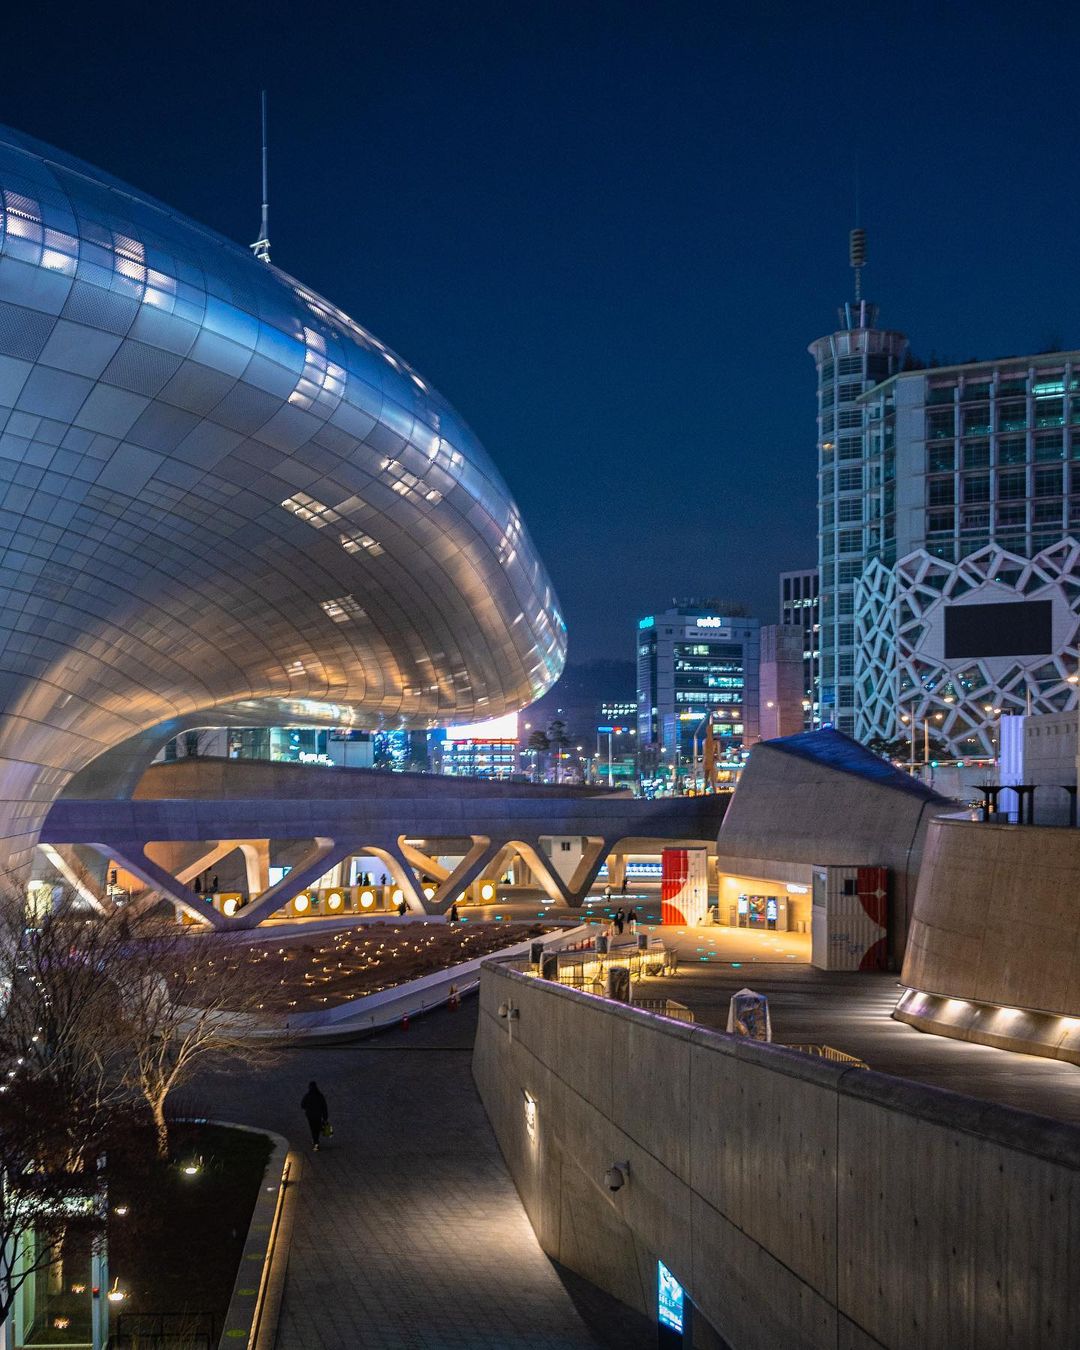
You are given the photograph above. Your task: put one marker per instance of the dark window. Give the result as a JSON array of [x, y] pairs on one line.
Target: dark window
[[1012, 450], [1011, 486], [977, 455], [1018, 628], [976, 487], [1048, 482], [940, 458]]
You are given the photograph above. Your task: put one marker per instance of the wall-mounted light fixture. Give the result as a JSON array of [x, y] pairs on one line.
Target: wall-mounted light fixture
[[617, 1175]]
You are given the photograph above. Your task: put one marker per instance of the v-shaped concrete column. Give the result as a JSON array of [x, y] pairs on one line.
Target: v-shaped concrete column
[[311, 867], [464, 874], [134, 860]]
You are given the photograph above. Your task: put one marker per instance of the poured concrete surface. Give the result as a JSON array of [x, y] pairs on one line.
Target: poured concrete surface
[[852, 1011]]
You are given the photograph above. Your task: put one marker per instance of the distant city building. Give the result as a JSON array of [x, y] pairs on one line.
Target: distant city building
[[949, 520], [616, 761], [782, 676], [696, 666], [799, 607], [482, 750]]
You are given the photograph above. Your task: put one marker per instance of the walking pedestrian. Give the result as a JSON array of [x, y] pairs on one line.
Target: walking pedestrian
[[622, 888], [631, 921], [453, 913], [313, 1105]]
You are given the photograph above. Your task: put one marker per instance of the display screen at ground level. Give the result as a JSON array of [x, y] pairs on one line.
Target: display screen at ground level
[[670, 1299], [1017, 628]]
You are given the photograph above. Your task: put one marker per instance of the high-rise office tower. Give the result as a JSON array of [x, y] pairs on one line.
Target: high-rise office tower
[[949, 519], [849, 361], [799, 609]]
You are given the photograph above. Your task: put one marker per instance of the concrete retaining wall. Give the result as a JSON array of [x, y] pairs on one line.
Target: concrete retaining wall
[[802, 1204]]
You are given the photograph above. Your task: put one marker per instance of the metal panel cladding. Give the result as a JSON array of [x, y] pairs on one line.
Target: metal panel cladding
[[224, 501]]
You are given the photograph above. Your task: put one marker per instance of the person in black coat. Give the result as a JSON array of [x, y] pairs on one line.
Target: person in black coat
[[313, 1105]]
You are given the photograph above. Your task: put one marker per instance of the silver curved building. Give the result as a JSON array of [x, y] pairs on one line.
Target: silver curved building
[[223, 501]]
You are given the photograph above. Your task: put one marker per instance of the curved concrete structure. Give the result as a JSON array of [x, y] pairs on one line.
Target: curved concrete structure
[[819, 797], [994, 949], [223, 501]]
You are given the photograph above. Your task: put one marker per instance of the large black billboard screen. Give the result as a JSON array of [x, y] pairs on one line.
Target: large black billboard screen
[[1017, 628]]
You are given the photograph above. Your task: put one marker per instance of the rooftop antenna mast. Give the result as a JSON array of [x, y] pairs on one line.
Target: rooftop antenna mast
[[857, 243], [261, 246]]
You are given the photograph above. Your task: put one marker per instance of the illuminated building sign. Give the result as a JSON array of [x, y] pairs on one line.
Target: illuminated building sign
[[708, 622], [646, 623], [670, 1299], [637, 869], [498, 729]]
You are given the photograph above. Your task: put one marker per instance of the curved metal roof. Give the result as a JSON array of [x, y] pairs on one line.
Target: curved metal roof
[[222, 500]]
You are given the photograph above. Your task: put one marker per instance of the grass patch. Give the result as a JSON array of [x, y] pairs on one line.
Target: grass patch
[[177, 1249]]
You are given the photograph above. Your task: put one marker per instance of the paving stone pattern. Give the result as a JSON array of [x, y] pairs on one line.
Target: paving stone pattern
[[409, 1233]]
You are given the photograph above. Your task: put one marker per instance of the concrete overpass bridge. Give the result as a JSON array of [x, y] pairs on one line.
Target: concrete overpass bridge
[[186, 816]]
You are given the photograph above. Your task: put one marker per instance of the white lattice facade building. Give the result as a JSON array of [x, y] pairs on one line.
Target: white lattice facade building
[[902, 669], [949, 510]]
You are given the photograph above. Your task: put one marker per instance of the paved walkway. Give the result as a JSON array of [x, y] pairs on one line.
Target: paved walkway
[[409, 1233], [852, 1012]]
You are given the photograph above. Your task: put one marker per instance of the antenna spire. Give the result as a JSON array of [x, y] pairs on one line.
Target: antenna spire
[[857, 255], [261, 246], [857, 242]]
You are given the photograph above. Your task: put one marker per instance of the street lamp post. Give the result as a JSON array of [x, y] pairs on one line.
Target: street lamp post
[[995, 734], [905, 718]]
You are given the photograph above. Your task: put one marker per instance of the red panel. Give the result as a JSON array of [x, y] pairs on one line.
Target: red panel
[[674, 870], [873, 885], [876, 957]]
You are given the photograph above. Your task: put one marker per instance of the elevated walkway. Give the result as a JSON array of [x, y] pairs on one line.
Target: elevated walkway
[[357, 811]]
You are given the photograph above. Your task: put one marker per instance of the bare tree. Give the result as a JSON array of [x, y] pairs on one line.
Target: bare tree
[[180, 1012], [51, 1190], [58, 1108]]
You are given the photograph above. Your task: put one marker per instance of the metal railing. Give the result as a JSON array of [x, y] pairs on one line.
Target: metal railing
[[827, 1052], [666, 1007]]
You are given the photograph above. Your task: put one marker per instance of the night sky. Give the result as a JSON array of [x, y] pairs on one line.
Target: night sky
[[607, 232]]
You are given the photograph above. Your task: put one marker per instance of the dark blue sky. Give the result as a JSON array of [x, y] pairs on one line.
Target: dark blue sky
[[608, 232]]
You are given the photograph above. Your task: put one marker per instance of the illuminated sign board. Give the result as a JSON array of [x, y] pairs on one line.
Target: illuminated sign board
[[708, 621], [498, 729], [646, 623], [670, 1299], [530, 1115], [637, 869]]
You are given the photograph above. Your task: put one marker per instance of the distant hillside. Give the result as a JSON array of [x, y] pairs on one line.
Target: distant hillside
[[577, 697]]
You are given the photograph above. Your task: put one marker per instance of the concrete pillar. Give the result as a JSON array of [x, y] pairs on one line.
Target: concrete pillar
[[257, 865]]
